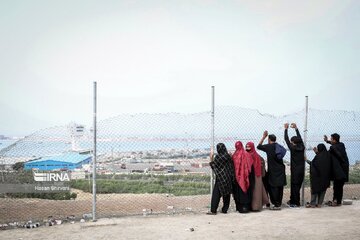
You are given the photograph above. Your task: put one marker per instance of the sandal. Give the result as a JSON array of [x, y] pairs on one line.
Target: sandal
[[334, 204], [275, 208], [211, 213], [329, 203]]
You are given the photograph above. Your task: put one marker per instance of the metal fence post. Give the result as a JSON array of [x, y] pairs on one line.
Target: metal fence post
[[305, 141], [212, 133], [94, 160]]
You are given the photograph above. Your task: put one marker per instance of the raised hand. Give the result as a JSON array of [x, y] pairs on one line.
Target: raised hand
[[286, 125], [265, 134], [293, 125], [211, 154], [315, 149]]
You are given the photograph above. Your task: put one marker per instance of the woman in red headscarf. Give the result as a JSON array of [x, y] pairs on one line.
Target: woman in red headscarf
[[241, 189], [259, 196]]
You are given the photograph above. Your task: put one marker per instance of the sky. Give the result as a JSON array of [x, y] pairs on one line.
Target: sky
[[164, 56]]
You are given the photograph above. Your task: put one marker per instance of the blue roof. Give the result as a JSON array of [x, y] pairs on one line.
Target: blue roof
[[71, 157]]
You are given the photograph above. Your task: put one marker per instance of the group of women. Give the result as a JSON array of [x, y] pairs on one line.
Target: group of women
[[243, 175], [240, 174]]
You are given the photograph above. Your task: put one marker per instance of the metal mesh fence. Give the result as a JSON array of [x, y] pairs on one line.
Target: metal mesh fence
[[157, 163], [147, 163]]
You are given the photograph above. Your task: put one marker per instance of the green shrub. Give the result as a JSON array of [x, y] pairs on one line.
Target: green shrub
[[178, 185], [354, 176]]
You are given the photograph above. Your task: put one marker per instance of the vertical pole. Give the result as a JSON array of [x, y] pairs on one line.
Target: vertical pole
[[305, 144], [212, 133], [94, 160]]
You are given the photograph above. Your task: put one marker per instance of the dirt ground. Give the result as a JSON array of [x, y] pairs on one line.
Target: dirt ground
[[120, 205], [323, 223]]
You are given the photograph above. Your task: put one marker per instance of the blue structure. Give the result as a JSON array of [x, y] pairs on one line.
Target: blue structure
[[69, 161]]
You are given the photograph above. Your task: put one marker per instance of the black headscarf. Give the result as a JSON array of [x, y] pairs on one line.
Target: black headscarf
[[221, 149], [224, 169], [320, 170], [321, 147]]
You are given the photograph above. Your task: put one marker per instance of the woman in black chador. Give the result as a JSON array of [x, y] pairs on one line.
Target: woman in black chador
[[223, 167], [320, 172]]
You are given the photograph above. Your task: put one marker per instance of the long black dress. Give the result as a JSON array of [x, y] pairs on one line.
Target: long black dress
[[340, 162], [276, 167], [340, 170], [320, 170], [276, 174], [297, 166], [224, 174]]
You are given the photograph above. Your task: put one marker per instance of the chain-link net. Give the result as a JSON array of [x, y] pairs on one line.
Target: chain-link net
[[28, 191], [347, 124], [153, 163], [147, 163]]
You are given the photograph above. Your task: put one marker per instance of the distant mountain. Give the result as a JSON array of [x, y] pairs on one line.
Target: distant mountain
[[229, 121]]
